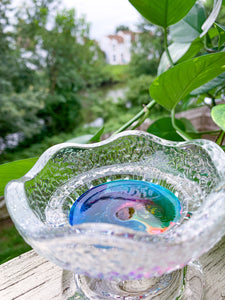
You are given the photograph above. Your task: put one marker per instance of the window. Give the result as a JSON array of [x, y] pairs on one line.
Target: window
[[122, 58]]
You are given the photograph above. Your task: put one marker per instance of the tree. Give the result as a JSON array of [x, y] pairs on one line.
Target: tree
[[66, 57], [18, 109], [19, 113], [14, 73], [146, 51], [122, 28]]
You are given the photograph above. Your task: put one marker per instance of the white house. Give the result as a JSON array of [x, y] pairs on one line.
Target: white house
[[117, 47]]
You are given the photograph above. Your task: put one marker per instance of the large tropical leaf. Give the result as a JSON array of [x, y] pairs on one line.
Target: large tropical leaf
[[221, 31], [212, 17], [176, 50], [164, 12], [97, 137], [179, 52], [83, 139], [163, 128], [87, 138], [173, 85], [189, 28], [212, 84], [218, 115], [185, 35], [14, 170]]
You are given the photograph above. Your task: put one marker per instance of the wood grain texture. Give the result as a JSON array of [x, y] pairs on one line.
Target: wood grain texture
[[213, 264], [30, 276]]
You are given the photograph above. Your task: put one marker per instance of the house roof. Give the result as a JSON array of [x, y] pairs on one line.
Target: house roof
[[116, 37], [131, 33]]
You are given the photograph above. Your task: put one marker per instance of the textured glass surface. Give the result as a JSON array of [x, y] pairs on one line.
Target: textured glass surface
[[40, 202]]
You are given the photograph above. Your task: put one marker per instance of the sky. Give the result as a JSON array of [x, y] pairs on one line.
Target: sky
[[105, 15]]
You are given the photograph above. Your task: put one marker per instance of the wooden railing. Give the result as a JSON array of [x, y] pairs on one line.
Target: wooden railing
[[31, 277]]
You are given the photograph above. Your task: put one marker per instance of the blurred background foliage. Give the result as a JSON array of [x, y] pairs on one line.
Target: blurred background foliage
[[54, 78], [55, 85], [55, 82]]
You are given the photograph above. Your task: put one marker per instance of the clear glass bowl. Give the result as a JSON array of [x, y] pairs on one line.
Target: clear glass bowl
[[39, 204]]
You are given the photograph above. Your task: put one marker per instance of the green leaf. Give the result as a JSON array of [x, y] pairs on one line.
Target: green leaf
[[218, 115], [212, 33], [179, 52], [212, 84], [190, 129], [209, 38], [221, 30], [185, 35], [14, 170], [189, 28], [194, 49], [188, 125], [97, 137], [173, 85], [212, 17], [176, 51], [163, 128], [83, 139], [164, 12]]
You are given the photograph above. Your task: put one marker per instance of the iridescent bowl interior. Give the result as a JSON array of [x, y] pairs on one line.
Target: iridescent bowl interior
[[41, 201]]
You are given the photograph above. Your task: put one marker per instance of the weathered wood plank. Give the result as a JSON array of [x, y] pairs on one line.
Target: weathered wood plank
[[213, 264], [3, 210], [30, 276]]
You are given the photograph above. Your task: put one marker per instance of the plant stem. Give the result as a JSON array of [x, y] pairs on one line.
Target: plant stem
[[210, 50], [149, 106], [183, 134], [213, 99], [212, 132], [142, 119], [220, 138], [166, 47], [207, 49]]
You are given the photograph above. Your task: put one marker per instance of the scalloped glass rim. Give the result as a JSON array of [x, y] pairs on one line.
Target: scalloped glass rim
[[188, 236]]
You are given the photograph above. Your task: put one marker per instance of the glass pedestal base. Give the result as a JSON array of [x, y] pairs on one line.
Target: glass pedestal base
[[182, 284]]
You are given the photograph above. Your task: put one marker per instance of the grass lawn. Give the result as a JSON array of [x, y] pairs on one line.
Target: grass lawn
[[119, 73], [11, 243]]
